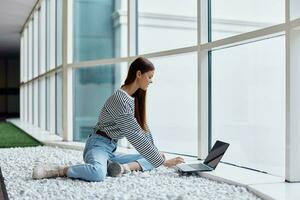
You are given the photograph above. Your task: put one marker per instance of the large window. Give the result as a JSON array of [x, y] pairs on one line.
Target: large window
[[169, 28], [172, 103], [98, 29], [248, 103], [295, 11], [92, 87], [233, 17], [231, 87]]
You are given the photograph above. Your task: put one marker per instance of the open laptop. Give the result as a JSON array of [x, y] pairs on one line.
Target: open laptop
[[211, 161]]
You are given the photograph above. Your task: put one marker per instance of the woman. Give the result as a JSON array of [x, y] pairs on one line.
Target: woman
[[123, 115]]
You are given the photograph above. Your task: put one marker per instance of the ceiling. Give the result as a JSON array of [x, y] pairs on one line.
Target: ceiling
[[13, 14]]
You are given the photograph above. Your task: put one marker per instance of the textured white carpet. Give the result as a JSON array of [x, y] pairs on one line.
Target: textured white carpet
[[162, 183]]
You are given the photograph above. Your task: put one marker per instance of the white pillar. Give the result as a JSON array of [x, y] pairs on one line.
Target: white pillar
[[132, 27], [293, 106], [292, 158], [67, 52], [202, 25]]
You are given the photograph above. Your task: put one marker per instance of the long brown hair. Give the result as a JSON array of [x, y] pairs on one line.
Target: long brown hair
[[144, 65]]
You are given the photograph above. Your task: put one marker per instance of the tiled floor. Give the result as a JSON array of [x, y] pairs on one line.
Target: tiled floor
[[264, 185], [288, 191]]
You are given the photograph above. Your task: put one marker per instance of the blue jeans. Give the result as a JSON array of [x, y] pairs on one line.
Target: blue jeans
[[97, 151]]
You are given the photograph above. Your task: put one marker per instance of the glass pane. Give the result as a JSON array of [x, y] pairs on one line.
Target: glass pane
[[21, 103], [248, 103], [58, 104], [35, 102], [48, 103], [25, 103], [172, 104], [25, 54], [42, 38], [295, 46], [35, 44], [58, 32], [92, 87], [30, 103], [100, 29], [42, 103], [294, 9], [169, 28], [48, 32], [30, 50], [51, 34], [233, 17], [51, 103]]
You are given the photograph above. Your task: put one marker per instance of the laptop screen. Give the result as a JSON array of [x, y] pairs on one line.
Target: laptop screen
[[215, 154]]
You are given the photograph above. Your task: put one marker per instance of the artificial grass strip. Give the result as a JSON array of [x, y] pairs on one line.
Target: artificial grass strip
[[11, 136]]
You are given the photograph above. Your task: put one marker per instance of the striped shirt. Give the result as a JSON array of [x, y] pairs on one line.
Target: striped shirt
[[117, 120]]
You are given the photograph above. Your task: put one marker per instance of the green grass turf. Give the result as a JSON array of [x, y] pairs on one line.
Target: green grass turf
[[11, 136]]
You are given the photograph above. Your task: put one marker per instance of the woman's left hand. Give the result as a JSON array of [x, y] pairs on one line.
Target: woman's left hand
[[173, 162]]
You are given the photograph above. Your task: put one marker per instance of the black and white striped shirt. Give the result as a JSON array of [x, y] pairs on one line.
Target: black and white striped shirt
[[117, 121]]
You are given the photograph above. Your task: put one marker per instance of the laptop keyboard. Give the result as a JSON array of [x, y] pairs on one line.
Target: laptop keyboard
[[192, 167], [186, 168], [200, 167]]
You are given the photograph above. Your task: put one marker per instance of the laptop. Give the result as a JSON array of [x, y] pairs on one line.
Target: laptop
[[211, 161]]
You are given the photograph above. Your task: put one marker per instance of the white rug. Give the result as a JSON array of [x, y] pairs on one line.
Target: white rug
[[162, 183]]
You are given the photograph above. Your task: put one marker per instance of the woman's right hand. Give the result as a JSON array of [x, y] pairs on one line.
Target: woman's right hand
[[173, 162]]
